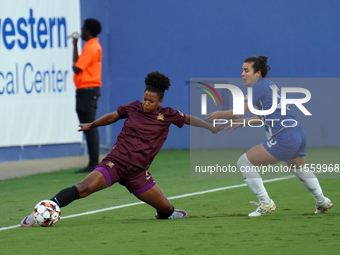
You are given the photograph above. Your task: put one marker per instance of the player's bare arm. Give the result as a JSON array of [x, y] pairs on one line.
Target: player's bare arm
[[229, 114], [75, 55], [76, 69], [244, 122], [196, 122], [107, 119]]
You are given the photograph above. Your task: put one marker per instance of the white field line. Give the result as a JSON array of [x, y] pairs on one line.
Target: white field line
[[170, 198]]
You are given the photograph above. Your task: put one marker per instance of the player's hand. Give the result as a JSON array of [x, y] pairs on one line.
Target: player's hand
[[216, 129], [213, 115], [75, 41], [84, 127], [233, 127]]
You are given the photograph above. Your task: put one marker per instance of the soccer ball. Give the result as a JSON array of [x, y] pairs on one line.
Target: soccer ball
[[46, 213]]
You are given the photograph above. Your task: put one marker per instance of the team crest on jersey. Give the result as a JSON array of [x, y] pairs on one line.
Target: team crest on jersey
[[160, 117], [181, 113], [110, 164]]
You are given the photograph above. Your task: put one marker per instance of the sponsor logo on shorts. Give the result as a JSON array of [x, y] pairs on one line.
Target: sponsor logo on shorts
[[271, 143], [148, 175]]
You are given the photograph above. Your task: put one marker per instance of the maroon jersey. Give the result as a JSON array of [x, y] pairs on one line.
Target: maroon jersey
[[143, 134]]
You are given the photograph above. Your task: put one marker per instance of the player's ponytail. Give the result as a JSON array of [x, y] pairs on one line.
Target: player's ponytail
[[157, 82], [259, 64]]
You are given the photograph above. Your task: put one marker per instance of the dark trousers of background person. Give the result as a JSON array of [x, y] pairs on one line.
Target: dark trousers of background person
[[86, 106]]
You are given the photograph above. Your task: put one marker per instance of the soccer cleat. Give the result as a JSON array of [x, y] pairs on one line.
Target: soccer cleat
[[262, 209], [28, 221], [177, 214], [324, 206]]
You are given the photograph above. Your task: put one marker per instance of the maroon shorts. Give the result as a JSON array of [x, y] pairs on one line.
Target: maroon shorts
[[135, 179]]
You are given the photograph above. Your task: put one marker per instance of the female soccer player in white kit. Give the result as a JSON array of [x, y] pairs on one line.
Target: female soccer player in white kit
[[285, 143]]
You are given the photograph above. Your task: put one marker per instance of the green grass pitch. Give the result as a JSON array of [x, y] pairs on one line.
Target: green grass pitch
[[217, 221]]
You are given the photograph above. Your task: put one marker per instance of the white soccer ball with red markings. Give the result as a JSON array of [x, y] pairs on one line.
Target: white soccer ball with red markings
[[46, 213]]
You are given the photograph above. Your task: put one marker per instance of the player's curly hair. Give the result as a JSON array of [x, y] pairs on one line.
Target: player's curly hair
[[259, 64], [93, 26], [157, 82]]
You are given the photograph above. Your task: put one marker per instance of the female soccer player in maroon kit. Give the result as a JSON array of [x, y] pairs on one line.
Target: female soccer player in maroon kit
[[145, 130]]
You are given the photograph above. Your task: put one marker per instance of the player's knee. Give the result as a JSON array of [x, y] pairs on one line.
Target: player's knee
[[242, 161], [83, 189], [246, 167]]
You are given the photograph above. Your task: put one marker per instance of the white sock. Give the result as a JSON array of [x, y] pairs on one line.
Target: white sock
[[309, 180], [253, 179]]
